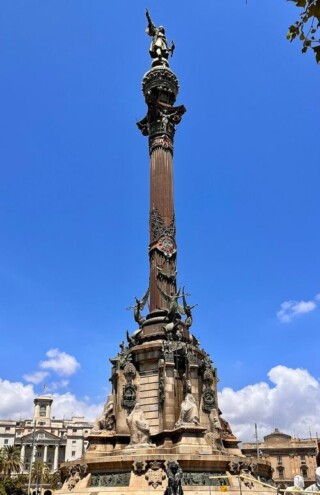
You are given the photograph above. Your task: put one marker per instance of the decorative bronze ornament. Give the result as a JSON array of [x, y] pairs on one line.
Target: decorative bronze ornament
[[158, 228], [167, 246], [110, 479], [129, 371], [209, 400], [162, 394], [129, 396]]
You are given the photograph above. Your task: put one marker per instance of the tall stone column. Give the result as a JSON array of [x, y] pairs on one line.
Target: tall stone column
[[33, 455], [22, 456], [56, 457], [45, 453], [160, 88]]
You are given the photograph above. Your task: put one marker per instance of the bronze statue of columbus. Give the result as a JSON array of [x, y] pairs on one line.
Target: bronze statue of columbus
[[159, 48]]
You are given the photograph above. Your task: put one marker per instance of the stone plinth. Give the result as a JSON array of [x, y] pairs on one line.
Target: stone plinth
[[201, 442]]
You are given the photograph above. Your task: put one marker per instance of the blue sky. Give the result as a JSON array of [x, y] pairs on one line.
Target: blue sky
[[74, 196]]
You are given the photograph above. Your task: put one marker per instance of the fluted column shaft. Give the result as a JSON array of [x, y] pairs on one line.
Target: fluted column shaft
[[56, 457], [160, 87], [161, 184], [161, 201]]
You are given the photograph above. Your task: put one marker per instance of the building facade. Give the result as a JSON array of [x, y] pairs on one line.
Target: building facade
[[45, 438], [288, 456]]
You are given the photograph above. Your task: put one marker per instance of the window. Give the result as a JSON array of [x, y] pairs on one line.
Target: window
[[304, 472], [74, 441], [279, 459], [42, 410], [7, 428], [6, 441], [73, 453], [281, 472], [303, 459], [74, 430]]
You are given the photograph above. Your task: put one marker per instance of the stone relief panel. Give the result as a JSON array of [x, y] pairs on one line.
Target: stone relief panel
[[194, 478], [110, 479]]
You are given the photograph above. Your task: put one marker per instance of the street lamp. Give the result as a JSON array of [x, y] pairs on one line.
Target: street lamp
[[33, 447]]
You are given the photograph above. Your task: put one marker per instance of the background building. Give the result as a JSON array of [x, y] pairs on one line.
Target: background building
[[288, 456], [44, 438]]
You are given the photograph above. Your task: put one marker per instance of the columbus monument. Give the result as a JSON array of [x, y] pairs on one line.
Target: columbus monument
[[161, 429]]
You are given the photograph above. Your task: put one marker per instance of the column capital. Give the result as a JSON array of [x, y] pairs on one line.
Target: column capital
[[160, 88]]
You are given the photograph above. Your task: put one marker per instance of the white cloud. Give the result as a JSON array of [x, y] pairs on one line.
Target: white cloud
[[17, 403], [68, 405], [36, 377], [62, 363], [290, 309], [291, 404], [53, 386], [16, 400]]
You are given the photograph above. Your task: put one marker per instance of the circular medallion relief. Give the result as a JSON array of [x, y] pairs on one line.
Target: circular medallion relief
[[167, 246]]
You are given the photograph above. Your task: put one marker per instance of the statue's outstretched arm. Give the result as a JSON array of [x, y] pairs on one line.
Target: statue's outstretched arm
[[151, 29]]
